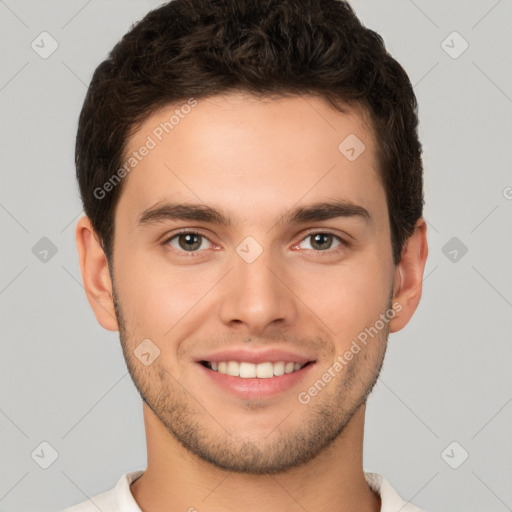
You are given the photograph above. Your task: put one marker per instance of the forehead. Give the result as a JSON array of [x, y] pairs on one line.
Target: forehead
[[252, 155]]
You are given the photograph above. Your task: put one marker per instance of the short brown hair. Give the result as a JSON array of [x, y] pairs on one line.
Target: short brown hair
[[199, 48]]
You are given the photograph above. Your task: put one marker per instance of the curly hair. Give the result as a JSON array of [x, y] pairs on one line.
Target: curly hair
[[200, 48]]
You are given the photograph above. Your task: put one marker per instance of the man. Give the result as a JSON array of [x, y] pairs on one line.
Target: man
[[252, 182]]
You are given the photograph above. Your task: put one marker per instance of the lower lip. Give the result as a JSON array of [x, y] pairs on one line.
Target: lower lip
[[257, 388]]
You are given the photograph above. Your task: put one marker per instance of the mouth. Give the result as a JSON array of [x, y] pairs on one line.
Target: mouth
[[248, 370], [255, 375]]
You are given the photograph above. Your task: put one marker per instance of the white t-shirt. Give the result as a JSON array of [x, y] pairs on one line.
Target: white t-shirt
[[120, 498]]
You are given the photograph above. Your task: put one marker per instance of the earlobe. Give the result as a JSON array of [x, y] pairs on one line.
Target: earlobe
[[95, 274], [409, 276]]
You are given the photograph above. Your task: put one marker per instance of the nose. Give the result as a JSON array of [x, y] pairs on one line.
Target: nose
[[257, 295]]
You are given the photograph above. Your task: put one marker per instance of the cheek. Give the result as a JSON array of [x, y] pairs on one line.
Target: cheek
[[347, 299], [156, 297], [142, 294]]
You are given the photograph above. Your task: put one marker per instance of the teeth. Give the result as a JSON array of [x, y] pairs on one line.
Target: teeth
[[279, 368], [233, 368], [250, 371], [247, 371], [289, 367], [264, 370]]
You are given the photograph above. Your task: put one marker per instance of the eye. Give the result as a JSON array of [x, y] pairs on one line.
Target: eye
[[322, 241], [187, 241], [192, 242]]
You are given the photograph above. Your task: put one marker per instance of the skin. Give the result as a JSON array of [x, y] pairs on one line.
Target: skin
[[208, 448]]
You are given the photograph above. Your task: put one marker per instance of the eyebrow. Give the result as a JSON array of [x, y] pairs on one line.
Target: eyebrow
[[164, 211]]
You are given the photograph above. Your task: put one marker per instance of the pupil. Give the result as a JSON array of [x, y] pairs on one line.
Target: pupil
[[321, 237], [189, 243]]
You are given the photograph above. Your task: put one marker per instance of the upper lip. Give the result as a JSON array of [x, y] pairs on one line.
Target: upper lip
[[272, 355]]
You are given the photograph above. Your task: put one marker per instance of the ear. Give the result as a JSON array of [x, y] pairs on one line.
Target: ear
[[409, 276], [95, 274]]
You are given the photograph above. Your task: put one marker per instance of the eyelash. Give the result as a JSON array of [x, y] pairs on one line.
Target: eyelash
[[343, 243]]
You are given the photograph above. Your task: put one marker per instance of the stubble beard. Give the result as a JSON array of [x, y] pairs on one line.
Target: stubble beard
[[201, 432]]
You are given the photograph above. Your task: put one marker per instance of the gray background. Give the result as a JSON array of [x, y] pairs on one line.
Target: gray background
[[447, 375]]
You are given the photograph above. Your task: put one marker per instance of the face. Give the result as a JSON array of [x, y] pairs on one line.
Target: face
[[255, 256]]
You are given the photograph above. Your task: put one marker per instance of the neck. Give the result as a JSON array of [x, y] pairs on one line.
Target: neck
[[332, 482]]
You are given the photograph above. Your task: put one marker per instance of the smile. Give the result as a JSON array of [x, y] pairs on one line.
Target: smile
[[247, 370]]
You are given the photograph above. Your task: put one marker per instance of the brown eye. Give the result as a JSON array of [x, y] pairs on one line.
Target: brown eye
[[187, 241], [323, 241]]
